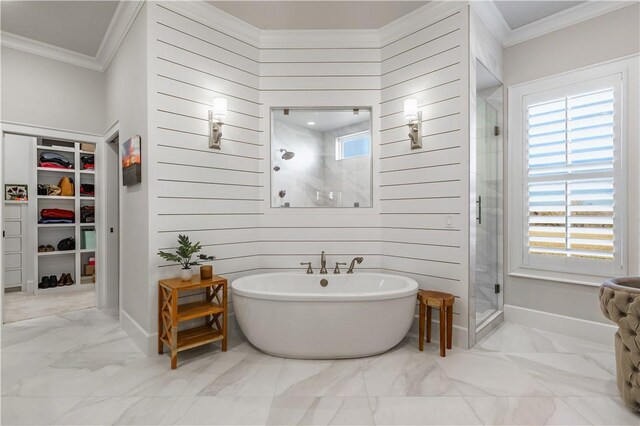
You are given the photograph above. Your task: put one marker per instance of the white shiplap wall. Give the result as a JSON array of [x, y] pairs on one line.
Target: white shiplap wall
[[222, 197], [302, 69], [213, 196], [423, 193]]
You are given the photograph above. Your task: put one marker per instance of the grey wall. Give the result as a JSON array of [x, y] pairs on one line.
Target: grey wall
[[42, 92], [604, 38], [126, 102]]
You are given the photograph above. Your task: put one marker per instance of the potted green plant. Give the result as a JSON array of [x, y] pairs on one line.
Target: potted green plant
[[184, 256]]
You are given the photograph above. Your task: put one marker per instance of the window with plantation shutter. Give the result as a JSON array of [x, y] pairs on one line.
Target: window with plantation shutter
[[570, 201], [570, 176]]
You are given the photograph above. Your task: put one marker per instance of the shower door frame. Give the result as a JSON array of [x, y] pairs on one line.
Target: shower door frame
[[475, 333]]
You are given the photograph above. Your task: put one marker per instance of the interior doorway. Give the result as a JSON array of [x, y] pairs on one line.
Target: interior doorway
[[112, 225], [49, 231]]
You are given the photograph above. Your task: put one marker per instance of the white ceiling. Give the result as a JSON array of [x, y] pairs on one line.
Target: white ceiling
[[78, 26], [325, 120], [318, 15], [520, 13]]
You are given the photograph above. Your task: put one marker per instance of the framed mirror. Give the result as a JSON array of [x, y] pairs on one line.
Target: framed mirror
[[321, 157]]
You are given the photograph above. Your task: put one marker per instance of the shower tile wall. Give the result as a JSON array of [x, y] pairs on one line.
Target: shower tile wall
[[314, 173], [300, 180]]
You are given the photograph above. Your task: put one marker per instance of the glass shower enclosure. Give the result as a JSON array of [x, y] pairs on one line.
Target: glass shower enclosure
[[488, 277]]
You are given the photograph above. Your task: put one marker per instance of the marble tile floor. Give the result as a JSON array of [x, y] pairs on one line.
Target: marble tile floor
[[20, 306], [80, 368]]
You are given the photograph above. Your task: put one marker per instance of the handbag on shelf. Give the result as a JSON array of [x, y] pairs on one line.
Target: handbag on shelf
[[53, 190], [67, 244], [66, 186]]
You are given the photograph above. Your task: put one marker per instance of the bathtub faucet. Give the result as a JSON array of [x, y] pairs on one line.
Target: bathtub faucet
[[353, 264], [323, 264]]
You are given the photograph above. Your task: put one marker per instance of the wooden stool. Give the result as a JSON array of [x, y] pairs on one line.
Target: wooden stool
[[444, 303]]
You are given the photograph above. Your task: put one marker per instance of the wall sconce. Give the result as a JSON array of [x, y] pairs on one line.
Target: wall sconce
[[216, 115], [415, 122]]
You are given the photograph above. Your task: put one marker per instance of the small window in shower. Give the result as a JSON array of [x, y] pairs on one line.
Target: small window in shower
[[353, 146]]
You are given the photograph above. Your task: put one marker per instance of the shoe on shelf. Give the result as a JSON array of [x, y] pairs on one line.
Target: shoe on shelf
[[69, 280], [44, 283], [61, 281], [53, 281], [49, 247], [41, 249]]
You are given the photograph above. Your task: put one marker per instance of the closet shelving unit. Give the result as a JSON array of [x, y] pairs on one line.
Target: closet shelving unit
[[68, 261]]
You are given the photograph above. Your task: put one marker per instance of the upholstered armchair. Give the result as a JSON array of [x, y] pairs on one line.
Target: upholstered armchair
[[620, 302]]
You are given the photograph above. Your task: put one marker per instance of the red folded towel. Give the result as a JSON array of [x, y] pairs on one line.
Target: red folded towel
[[56, 214]]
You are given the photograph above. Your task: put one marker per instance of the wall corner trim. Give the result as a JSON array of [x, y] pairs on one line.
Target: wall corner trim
[[145, 341], [592, 331], [119, 26], [203, 12]]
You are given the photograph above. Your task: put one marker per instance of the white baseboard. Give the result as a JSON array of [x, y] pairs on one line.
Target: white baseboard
[[588, 330], [146, 342], [460, 334]]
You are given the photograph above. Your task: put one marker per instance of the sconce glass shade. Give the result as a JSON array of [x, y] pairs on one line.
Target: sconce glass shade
[[219, 108], [411, 109]]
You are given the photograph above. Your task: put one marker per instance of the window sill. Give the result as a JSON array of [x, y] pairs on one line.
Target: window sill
[[581, 280]]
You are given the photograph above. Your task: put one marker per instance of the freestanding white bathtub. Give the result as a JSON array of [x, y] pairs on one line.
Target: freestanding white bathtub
[[292, 315]]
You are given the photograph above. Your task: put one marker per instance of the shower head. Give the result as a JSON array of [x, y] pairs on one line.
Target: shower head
[[288, 155]]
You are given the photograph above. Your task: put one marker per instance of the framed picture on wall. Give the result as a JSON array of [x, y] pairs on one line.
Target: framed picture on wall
[[131, 161], [16, 192]]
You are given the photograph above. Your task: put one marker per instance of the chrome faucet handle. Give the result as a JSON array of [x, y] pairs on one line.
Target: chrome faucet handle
[[337, 270], [353, 264], [309, 269]]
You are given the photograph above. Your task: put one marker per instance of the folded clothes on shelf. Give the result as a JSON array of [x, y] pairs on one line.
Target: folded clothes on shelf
[[55, 158], [87, 159], [87, 214], [45, 221], [51, 165], [57, 214], [87, 189]]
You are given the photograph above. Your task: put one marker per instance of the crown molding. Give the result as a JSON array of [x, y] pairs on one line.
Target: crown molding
[[491, 16], [412, 21], [566, 18], [212, 16], [121, 22], [49, 51], [309, 39]]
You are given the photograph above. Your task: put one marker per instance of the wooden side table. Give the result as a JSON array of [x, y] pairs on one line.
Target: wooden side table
[[444, 302], [213, 309]]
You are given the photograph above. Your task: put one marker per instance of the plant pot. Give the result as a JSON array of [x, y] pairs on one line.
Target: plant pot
[[186, 274]]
